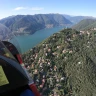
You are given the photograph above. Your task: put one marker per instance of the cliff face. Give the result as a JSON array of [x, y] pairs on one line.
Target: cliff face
[[64, 64]]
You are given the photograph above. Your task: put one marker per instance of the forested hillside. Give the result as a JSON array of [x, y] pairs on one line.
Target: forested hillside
[[64, 64], [85, 24]]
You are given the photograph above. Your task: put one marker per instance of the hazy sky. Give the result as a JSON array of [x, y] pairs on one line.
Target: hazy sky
[[71, 7]]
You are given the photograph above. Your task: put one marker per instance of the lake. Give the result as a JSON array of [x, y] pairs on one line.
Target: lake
[[27, 42]]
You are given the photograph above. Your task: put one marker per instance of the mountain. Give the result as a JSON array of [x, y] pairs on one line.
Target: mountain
[[77, 19], [3, 31], [64, 64], [28, 24], [85, 24]]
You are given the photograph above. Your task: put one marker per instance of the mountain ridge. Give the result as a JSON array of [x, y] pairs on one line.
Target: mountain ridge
[[3, 31], [85, 24], [32, 23], [77, 19]]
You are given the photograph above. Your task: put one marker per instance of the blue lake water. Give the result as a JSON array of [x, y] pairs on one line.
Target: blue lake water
[[28, 41]]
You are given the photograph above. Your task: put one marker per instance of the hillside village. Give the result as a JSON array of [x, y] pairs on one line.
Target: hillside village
[[53, 62]]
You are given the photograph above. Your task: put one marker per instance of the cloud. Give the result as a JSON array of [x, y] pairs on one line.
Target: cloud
[[33, 8], [20, 8], [37, 8]]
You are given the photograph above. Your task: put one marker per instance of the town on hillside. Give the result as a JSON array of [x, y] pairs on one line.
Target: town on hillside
[[48, 62]]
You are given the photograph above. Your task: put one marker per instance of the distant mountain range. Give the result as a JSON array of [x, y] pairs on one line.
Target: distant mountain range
[[85, 24], [77, 19], [30, 23]]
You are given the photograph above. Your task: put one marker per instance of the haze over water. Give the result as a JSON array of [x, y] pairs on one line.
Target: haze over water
[[29, 41]]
